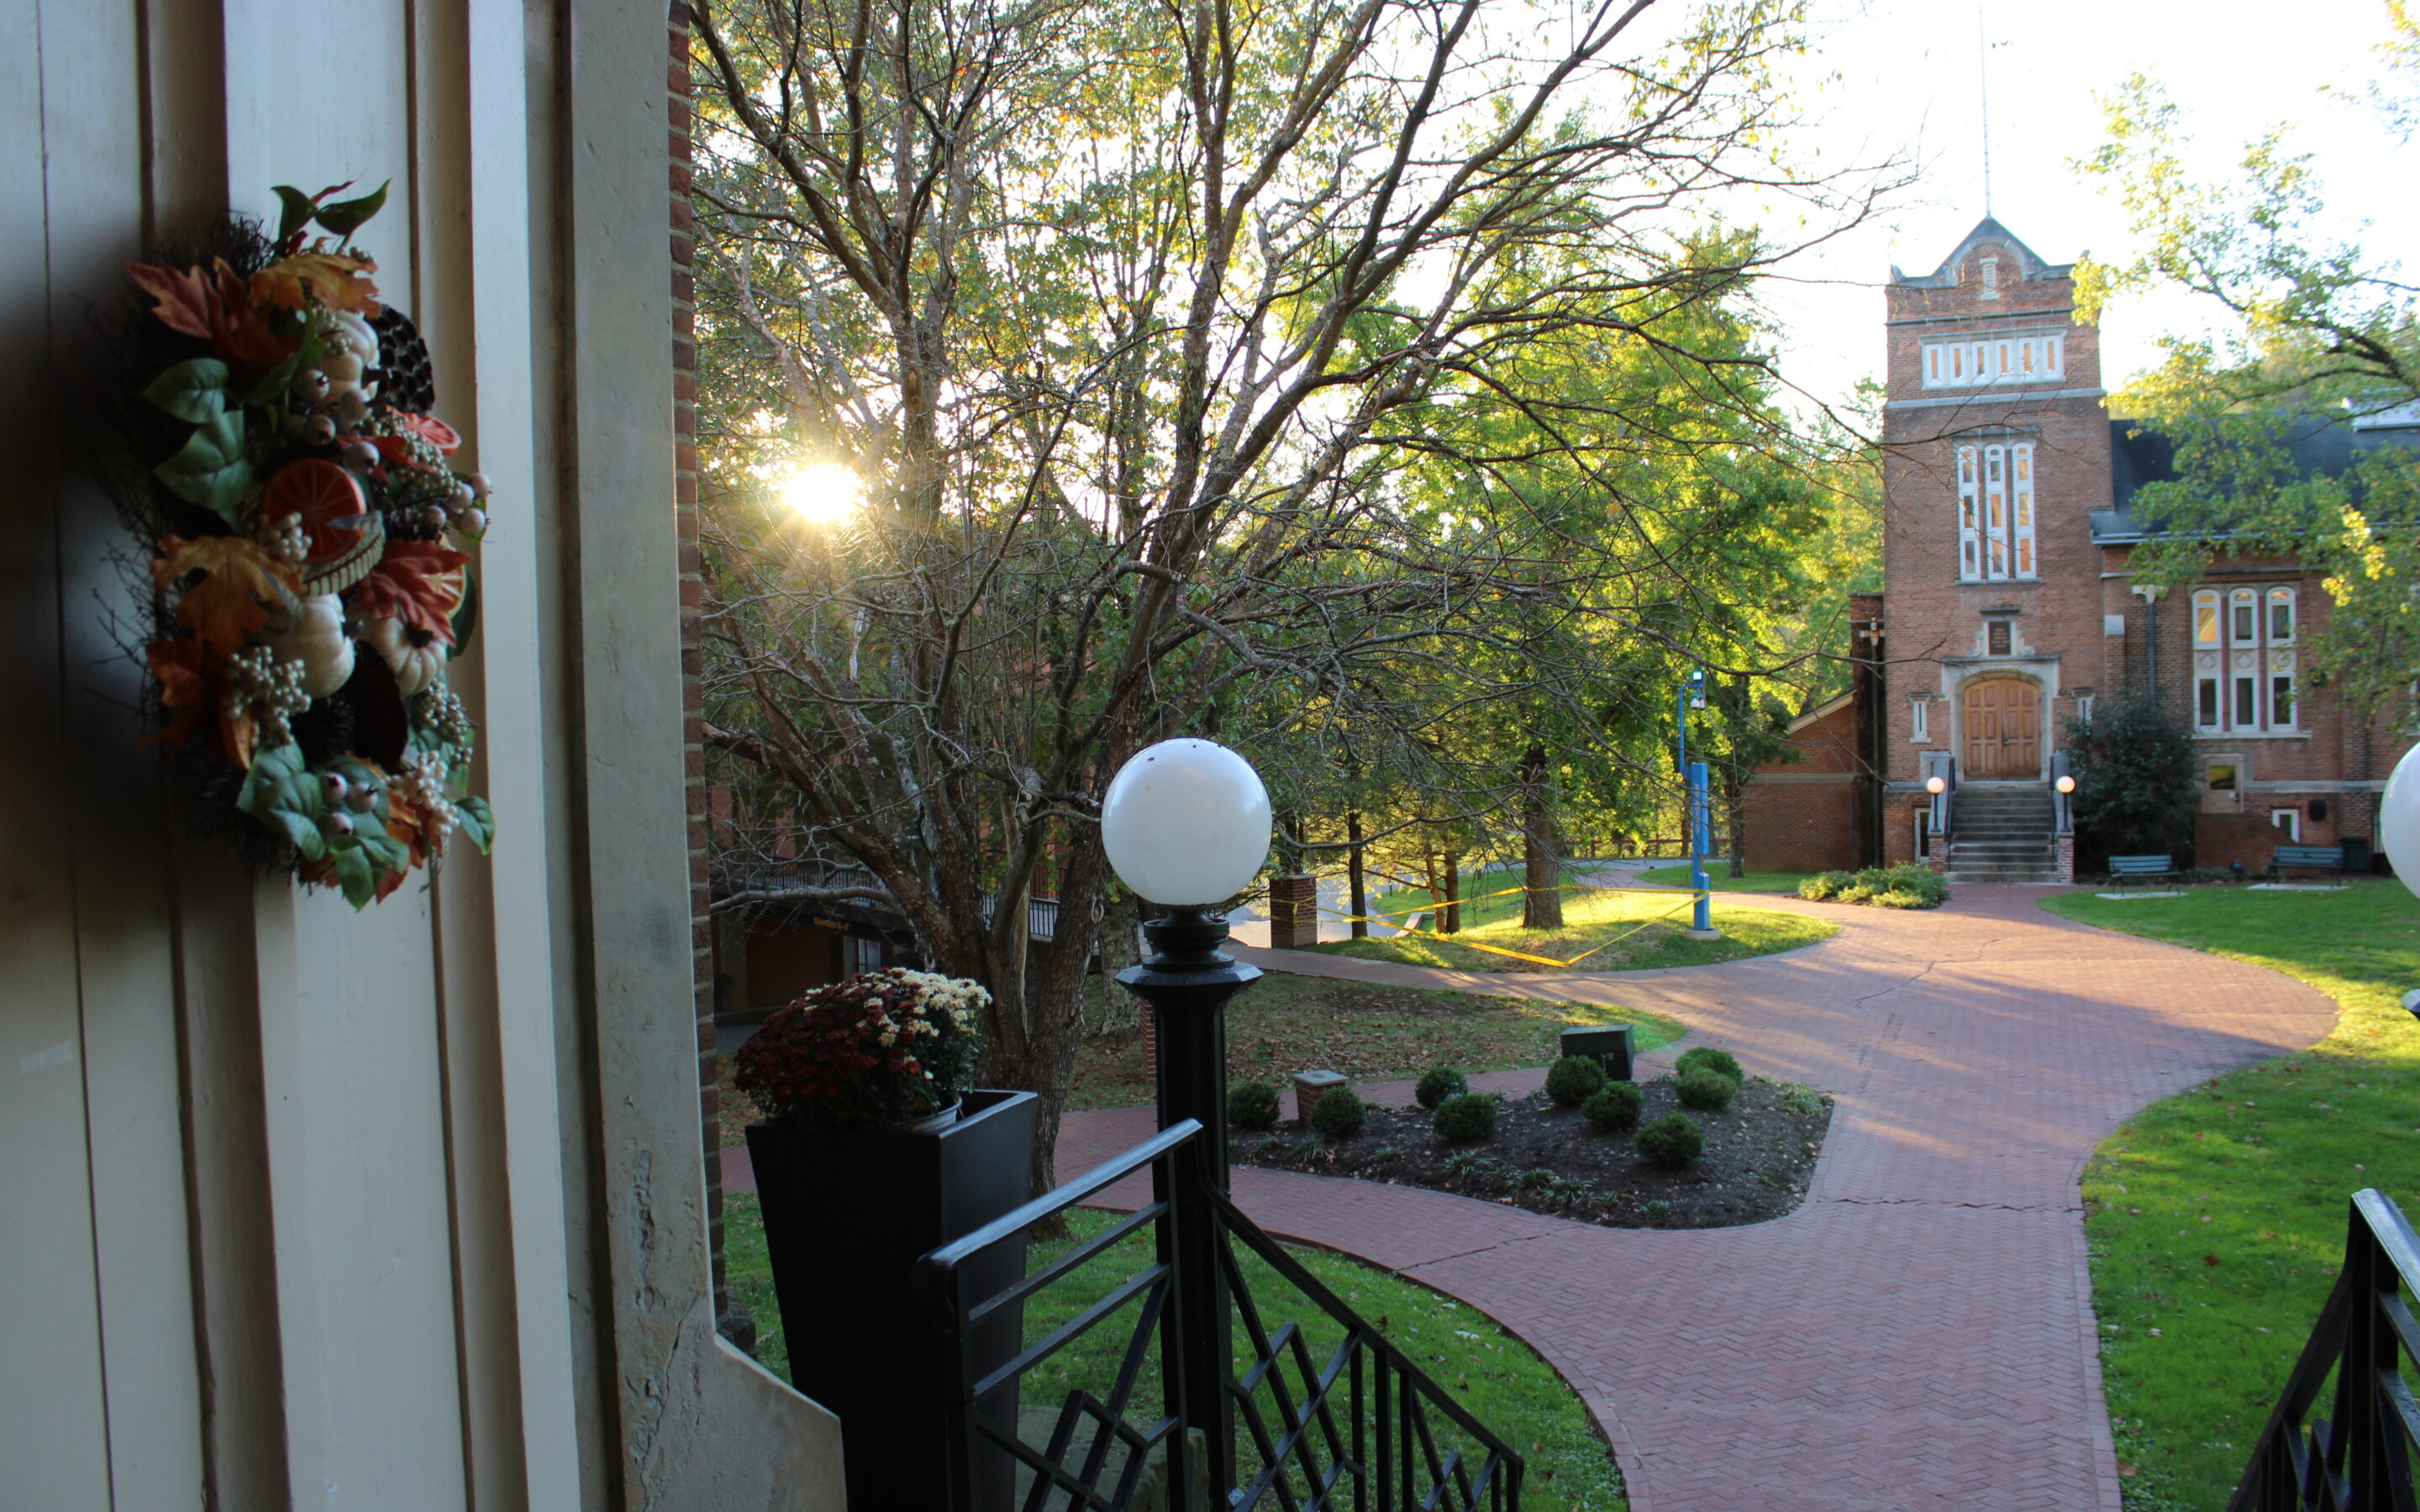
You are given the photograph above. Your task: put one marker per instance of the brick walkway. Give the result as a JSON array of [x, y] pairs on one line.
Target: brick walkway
[[1919, 1334]]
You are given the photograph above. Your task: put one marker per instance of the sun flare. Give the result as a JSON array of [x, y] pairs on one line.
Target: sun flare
[[822, 493]]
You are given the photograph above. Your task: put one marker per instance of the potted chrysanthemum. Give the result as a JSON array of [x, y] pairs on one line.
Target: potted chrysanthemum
[[875, 1148]]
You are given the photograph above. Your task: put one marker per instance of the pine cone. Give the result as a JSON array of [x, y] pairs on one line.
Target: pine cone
[[406, 379]]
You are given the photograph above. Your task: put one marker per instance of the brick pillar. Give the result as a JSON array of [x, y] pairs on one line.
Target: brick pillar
[[1936, 852], [1294, 912], [2066, 858], [1150, 1047], [692, 598]]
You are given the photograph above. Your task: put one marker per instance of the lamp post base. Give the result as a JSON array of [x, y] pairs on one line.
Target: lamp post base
[[1701, 934]]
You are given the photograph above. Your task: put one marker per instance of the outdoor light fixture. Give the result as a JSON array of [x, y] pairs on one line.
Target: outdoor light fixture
[[1187, 826], [1187, 823], [2065, 783], [1697, 687], [1936, 786], [2398, 834]]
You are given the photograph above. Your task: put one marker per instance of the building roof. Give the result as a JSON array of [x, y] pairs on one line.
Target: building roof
[[2321, 445], [2030, 263]]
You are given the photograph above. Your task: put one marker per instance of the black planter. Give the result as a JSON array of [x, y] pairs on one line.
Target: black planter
[[847, 1213]]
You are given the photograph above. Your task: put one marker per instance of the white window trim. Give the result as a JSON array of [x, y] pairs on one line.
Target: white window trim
[[2013, 533], [1920, 718], [2216, 617], [1969, 363]]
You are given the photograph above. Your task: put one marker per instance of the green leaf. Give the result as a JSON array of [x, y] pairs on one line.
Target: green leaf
[[283, 792], [477, 822], [356, 874], [210, 470], [279, 379], [466, 615], [390, 854], [346, 216], [295, 212], [193, 391]]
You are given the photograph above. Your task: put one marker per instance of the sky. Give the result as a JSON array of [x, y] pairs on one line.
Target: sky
[[1907, 84]]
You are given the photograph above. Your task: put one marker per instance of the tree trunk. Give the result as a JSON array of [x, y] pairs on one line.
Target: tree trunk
[[1451, 922], [1353, 869], [1541, 901]]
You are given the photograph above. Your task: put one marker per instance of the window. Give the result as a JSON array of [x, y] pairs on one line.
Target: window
[[2290, 821], [2243, 659], [1920, 712], [1990, 278], [1953, 364], [2084, 705], [1995, 512]]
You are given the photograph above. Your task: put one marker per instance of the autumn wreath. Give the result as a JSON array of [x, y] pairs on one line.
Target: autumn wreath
[[302, 529]]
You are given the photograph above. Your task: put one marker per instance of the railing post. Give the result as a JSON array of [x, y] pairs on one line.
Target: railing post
[[1187, 982]]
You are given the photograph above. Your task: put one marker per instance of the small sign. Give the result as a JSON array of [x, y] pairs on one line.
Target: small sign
[[1998, 638]]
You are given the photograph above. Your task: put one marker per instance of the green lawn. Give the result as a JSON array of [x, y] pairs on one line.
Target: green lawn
[[1497, 1377], [1284, 1024], [1678, 876], [1478, 908], [1591, 917], [2216, 1218]]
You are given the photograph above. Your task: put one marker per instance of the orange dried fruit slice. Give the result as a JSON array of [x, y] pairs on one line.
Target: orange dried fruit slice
[[330, 501]]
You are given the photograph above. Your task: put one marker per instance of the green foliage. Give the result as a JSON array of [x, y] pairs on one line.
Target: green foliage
[[282, 792], [1470, 1116], [1613, 1108], [1908, 885], [1672, 1141], [1707, 1091], [1438, 1082], [1252, 1105], [1802, 1098], [1572, 1080], [1708, 1057], [210, 469], [1339, 1113], [2134, 780]]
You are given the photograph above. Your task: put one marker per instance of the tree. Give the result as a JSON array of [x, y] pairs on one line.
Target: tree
[[2134, 778], [1114, 308], [2312, 330]]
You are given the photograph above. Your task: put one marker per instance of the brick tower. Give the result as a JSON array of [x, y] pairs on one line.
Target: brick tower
[[1996, 451]]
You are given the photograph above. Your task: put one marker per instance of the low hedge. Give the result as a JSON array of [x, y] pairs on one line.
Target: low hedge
[[1574, 1080], [1438, 1082], [1613, 1108], [1909, 884], [1252, 1105], [1339, 1113], [1467, 1117], [1673, 1140]]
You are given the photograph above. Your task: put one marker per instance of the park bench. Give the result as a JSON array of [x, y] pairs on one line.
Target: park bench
[[2123, 867], [2307, 858]]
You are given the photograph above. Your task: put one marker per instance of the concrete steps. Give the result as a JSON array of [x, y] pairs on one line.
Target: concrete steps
[[2002, 834]]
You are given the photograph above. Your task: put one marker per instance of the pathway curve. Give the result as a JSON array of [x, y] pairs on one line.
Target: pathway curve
[[1919, 1334]]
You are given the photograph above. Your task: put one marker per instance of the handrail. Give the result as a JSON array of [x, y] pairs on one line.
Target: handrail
[[2359, 1458], [1362, 1430]]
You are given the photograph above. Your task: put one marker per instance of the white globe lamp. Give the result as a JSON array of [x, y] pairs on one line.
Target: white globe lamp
[[1936, 786], [2398, 818], [1186, 824], [2065, 783]]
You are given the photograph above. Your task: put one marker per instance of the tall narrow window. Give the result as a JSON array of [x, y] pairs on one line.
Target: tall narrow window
[[2206, 703], [2281, 616], [2243, 659], [2281, 658], [1995, 512], [1990, 278], [1970, 533], [2205, 618], [1931, 366], [2206, 660], [1920, 710], [2021, 460], [2241, 612]]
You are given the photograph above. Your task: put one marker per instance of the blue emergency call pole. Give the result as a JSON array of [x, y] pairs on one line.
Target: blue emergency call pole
[[1700, 808]]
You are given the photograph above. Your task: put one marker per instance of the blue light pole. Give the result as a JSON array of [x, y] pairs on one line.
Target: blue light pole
[[1700, 812]]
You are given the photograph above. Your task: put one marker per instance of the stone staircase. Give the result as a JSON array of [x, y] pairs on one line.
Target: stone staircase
[[2001, 833]]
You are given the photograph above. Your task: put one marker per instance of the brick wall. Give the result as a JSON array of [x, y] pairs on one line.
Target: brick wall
[[692, 597], [1801, 815]]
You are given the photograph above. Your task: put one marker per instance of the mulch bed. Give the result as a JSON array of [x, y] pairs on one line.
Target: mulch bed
[[1759, 1154]]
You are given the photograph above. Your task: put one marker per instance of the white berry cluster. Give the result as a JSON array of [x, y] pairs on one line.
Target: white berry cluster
[[267, 687]]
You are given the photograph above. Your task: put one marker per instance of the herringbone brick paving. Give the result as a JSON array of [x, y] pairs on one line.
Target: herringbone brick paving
[[1919, 1334]]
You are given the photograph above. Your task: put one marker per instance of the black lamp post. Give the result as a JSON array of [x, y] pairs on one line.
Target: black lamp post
[[1190, 820]]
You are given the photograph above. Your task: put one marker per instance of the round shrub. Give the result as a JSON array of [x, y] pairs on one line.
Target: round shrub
[[1437, 1084], [1705, 1091], [1339, 1113], [1465, 1117], [1671, 1140], [1571, 1080], [1706, 1057], [1612, 1107], [1252, 1105]]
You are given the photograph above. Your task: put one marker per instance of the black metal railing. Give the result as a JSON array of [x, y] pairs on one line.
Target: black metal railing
[[2360, 1458], [1342, 1422]]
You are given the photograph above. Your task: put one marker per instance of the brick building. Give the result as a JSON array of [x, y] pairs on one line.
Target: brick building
[[2007, 609]]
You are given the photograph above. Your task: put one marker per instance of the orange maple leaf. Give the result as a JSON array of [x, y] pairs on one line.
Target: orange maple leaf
[[187, 675], [241, 587], [334, 280], [418, 583], [213, 304]]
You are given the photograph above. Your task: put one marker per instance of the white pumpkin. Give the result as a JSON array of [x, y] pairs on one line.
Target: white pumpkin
[[316, 637], [413, 655], [351, 349]]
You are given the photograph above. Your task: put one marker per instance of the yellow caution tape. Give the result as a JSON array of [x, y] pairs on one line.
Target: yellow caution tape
[[1688, 900]]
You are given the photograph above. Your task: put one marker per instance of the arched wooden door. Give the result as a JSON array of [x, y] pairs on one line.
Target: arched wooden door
[[2003, 730]]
